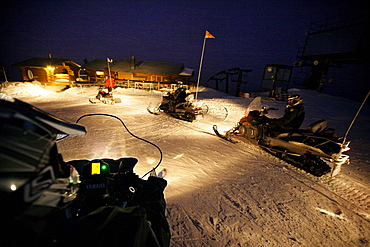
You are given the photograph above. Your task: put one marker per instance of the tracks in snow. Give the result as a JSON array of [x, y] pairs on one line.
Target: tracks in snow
[[346, 189], [342, 189], [353, 191]]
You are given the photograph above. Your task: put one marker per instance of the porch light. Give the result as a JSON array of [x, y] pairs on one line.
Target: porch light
[[50, 68]]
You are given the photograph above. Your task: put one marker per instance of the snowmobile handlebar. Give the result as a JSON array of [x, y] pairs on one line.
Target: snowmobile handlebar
[[108, 182], [264, 110], [107, 191], [272, 109]]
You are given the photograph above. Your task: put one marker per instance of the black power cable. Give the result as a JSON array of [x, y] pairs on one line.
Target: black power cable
[[124, 125]]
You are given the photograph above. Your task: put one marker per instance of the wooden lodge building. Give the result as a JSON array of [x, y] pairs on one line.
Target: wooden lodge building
[[132, 73], [127, 73], [49, 71]]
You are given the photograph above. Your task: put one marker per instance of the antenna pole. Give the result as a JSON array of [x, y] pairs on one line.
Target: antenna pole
[[354, 119]]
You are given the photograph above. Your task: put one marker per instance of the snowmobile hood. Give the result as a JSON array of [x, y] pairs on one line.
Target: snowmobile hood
[[28, 153], [54, 124]]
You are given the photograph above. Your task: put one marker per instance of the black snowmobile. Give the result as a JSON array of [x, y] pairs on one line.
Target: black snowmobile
[[179, 105], [83, 202], [105, 97], [113, 205], [311, 149]]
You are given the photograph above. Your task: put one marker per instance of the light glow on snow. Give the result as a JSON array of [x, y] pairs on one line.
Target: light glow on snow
[[226, 194]]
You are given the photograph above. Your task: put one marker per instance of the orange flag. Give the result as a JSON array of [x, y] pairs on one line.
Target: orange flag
[[209, 35]]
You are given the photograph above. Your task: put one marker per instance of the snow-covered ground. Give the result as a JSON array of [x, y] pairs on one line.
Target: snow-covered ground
[[219, 193]]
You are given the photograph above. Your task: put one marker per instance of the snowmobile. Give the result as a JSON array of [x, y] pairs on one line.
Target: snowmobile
[[179, 104], [311, 150], [82, 202], [105, 97], [111, 194]]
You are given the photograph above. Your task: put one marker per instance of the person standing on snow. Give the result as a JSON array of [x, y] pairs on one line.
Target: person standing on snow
[[109, 83], [293, 118]]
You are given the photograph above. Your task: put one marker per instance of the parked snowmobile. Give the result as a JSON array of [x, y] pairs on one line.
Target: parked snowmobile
[[105, 97], [179, 105], [311, 149], [84, 202]]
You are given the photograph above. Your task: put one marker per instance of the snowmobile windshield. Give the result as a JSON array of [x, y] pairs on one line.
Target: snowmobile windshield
[[255, 105]]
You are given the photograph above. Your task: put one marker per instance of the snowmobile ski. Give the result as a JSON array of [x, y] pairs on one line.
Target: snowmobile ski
[[104, 97], [152, 112], [225, 137]]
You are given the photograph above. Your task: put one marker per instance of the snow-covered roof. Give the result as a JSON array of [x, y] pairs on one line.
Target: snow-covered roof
[[160, 68], [187, 72], [43, 62], [97, 64], [169, 68]]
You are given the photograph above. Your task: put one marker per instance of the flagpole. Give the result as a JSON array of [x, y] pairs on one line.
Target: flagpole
[[108, 68], [200, 69]]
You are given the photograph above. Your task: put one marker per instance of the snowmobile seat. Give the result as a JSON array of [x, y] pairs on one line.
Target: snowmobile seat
[[290, 134], [318, 126]]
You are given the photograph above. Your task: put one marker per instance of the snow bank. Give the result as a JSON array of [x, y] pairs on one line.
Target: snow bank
[[25, 89]]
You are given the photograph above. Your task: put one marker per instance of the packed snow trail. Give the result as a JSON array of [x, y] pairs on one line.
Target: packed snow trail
[[225, 194]]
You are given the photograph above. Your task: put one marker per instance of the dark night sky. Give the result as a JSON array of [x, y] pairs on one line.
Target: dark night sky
[[249, 34]]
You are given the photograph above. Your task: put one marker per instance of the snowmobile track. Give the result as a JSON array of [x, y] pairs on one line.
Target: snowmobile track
[[351, 190], [348, 193], [341, 190]]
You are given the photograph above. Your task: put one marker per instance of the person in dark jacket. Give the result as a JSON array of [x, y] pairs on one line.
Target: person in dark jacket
[[293, 118]]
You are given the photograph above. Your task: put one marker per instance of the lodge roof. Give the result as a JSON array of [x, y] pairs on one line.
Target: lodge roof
[[160, 68], [140, 66], [97, 64], [124, 66], [42, 62]]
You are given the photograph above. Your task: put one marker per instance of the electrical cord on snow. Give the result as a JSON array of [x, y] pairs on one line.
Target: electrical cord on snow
[[124, 125]]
